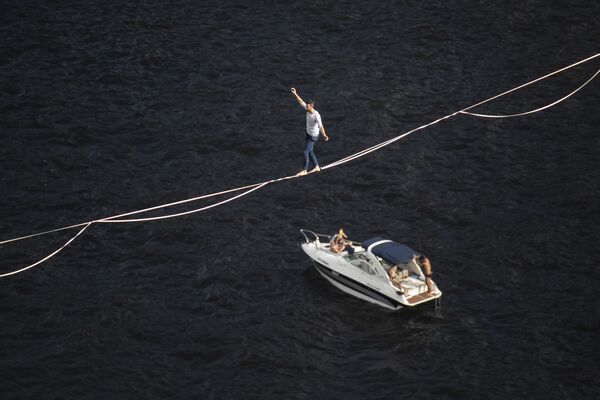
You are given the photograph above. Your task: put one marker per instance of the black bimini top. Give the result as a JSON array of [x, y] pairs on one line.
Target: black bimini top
[[391, 252]]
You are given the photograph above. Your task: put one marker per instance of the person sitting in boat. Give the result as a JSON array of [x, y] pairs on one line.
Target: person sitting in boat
[[426, 267], [339, 243], [396, 276]]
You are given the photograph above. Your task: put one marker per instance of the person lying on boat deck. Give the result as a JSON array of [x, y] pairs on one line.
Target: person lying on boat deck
[[339, 243], [395, 276], [426, 266]]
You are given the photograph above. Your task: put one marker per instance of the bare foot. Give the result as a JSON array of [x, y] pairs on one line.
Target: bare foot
[[302, 173], [315, 169]]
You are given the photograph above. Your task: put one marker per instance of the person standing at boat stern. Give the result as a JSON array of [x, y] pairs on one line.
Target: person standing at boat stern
[[426, 266], [314, 126]]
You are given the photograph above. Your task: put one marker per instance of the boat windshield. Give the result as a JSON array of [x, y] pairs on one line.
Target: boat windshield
[[361, 262]]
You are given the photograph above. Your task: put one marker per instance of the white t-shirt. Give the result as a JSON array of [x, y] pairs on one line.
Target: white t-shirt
[[313, 122]]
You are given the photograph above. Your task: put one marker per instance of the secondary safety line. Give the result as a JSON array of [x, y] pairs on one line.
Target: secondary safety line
[[251, 188], [532, 82], [537, 109], [465, 111], [105, 219], [114, 221], [87, 225]]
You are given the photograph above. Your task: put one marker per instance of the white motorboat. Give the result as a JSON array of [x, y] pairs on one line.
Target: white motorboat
[[361, 269]]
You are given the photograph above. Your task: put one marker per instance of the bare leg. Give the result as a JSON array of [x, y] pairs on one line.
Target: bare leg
[[428, 283]]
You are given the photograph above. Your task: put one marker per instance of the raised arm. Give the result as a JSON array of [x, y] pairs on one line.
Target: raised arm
[[298, 98]]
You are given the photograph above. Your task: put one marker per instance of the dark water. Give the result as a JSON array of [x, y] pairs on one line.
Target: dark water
[[117, 106]]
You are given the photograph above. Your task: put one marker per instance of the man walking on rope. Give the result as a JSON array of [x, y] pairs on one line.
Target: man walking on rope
[[314, 126]]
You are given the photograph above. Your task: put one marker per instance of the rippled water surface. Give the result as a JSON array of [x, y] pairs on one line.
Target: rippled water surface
[[118, 106]]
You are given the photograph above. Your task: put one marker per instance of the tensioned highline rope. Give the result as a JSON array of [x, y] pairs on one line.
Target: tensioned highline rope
[[87, 225], [251, 188], [535, 110], [134, 212]]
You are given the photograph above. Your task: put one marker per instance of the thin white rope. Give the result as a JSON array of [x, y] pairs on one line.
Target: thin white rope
[[132, 213], [105, 219], [463, 111], [48, 256], [44, 233], [114, 221], [256, 186], [537, 109], [136, 220], [206, 196], [531, 82], [386, 143]]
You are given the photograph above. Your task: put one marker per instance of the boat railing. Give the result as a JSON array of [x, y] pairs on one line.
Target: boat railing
[[311, 236]]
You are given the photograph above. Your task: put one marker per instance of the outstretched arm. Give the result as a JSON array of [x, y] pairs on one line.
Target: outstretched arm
[[298, 98]]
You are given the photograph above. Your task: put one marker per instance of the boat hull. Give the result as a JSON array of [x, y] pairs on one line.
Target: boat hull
[[355, 288]]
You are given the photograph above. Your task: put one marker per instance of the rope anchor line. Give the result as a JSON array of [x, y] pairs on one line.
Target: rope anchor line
[[254, 187], [537, 109]]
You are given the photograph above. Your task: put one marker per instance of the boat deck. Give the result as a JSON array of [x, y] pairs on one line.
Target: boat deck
[[420, 297]]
